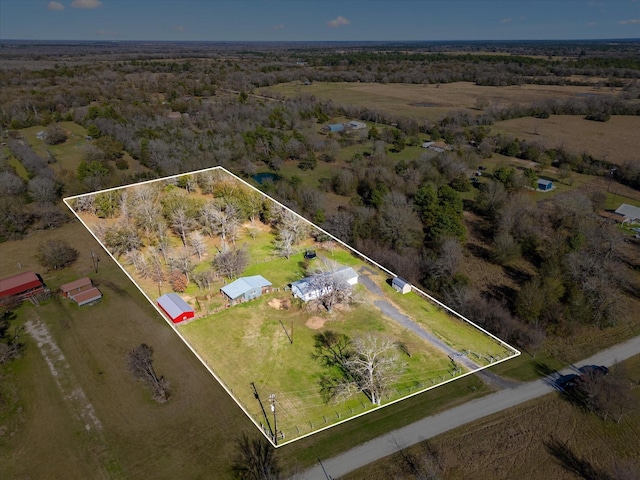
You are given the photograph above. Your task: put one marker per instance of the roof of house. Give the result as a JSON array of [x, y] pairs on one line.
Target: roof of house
[[22, 281], [628, 211], [173, 304], [81, 282], [400, 282], [87, 296], [243, 284], [335, 127], [542, 181], [305, 285], [355, 123]]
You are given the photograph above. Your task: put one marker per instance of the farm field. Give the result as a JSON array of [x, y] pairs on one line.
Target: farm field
[[427, 102], [267, 344]]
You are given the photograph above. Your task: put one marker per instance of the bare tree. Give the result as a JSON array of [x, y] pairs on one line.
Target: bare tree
[[375, 364], [140, 363], [231, 263], [197, 244], [182, 224], [332, 287], [55, 253], [284, 243]]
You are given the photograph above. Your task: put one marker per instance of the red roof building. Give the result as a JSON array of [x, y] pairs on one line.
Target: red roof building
[[87, 296], [73, 288], [175, 307], [22, 286]]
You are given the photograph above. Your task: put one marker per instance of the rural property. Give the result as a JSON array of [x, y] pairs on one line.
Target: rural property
[[302, 331]]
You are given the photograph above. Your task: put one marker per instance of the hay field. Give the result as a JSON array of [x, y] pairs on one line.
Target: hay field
[[430, 102], [615, 141]]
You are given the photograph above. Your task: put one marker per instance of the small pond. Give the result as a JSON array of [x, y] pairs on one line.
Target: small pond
[[261, 177]]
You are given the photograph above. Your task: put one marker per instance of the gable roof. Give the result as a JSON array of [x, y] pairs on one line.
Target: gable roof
[[244, 284], [81, 282], [305, 286], [88, 296], [629, 212], [546, 183], [19, 283], [400, 282], [173, 304]]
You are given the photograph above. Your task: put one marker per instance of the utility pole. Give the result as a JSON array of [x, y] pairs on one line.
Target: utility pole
[[272, 400], [94, 260], [257, 397]]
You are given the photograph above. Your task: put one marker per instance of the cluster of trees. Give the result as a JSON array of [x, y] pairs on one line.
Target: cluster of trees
[[10, 345], [140, 364]]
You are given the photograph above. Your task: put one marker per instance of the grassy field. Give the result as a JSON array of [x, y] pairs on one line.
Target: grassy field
[[429, 102], [514, 443], [615, 141]]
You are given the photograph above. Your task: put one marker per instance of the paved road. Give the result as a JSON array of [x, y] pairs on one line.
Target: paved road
[[435, 425]]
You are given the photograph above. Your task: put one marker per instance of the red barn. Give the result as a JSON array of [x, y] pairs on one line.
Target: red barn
[[175, 307], [71, 289], [21, 286]]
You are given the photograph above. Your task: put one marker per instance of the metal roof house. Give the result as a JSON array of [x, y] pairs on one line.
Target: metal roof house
[[21, 286], [544, 185], [355, 125], [630, 213], [246, 288], [175, 307], [400, 285], [306, 289]]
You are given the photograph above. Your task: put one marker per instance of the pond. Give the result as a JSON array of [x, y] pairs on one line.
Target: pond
[[261, 177]]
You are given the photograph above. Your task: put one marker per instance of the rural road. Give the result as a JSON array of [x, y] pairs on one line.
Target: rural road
[[448, 420]]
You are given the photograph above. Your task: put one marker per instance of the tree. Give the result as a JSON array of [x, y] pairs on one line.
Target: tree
[[43, 189], [55, 134], [140, 363], [375, 365], [55, 254], [254, 459], [231, 263], [197, 244], [333, 288], [182, 224], [10, 346], [178, 281], [120, 238]]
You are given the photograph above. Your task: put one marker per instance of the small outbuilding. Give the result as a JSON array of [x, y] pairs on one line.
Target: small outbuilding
[[544, 185], [21, 286], [175, 307], [334, 127], [246, 288], [630, 213], [400, 285], [71, 289], [355, 125], [87, 297]]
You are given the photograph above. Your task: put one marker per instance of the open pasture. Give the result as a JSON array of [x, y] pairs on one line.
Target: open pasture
[[428, 102]]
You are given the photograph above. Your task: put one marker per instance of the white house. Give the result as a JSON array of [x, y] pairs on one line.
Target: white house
[[630, 213], [310, 288], [354, 125], [400, 285]]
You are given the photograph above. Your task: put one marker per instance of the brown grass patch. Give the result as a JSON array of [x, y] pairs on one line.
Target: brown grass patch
[[315, 323], [615, 140], [280, 303]]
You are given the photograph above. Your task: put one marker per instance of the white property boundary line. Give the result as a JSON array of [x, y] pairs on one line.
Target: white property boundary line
[[353, 250]]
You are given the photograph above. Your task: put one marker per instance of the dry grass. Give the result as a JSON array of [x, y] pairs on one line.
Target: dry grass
[[615, 141], [512, 444], [439, 99]]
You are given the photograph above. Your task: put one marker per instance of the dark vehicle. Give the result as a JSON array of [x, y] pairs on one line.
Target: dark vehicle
[[594, 369]]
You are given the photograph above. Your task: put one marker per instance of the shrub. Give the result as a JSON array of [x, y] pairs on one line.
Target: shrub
[[55, 254]]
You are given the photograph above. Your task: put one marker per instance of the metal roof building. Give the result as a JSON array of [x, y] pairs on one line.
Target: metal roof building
[[306, 290], [629, 212], [87, 296], [175, 307], [246, 288], [22, 285]]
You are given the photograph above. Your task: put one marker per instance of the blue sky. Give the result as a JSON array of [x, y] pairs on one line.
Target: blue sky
[[313, 20]]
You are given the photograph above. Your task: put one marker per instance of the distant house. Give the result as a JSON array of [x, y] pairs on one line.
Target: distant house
[[246, 288], [630, 213], [334, 127], [175, 307], [544, 185], [354, 125], [439, 146], [427, 144], [21, 287], [41, 135], [306, 289], [400, 285]]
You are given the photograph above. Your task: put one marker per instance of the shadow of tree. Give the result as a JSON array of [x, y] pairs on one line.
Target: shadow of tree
[[572, 462]]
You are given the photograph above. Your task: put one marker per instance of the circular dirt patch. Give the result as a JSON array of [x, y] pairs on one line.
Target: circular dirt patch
[[315, 323]]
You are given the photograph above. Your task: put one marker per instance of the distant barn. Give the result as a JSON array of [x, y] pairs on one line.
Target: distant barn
[[175, 307], [81, 291], [21, 287]]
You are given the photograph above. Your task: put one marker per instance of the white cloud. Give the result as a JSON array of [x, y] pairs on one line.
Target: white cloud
[[506, 20], [280, 26], [592, 24], [178, 28], [630, 22], [55, 6], [87, 4], [338, 22]]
